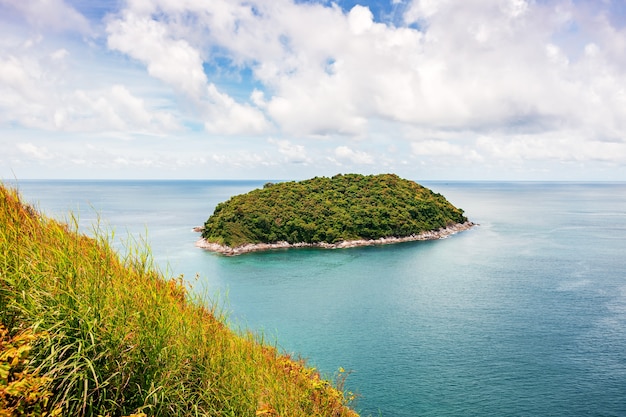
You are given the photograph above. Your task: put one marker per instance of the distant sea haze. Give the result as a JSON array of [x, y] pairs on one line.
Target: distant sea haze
[[524, 315]]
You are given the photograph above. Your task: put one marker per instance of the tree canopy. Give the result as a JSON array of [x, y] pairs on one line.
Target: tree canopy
[[322, 209]]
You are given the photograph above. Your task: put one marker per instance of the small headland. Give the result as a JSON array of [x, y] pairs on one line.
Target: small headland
[[88, 331]]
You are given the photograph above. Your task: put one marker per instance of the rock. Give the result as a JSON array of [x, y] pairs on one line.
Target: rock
[[255, 247]]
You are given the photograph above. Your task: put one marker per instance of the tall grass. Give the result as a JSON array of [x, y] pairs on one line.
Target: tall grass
[[115, 337]]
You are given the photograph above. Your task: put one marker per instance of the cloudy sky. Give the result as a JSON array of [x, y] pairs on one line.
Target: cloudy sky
[[290, 89]]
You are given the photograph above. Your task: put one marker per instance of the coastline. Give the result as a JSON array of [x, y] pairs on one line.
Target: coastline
[[256, 247]]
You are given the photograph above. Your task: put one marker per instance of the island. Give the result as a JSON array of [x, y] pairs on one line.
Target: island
[[345, 210]]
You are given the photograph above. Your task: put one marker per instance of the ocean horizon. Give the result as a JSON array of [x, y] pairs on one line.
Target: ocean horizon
[[523, 315]]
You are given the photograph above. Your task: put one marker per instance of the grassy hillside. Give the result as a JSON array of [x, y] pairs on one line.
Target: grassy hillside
[[85, 332], [344, 207]]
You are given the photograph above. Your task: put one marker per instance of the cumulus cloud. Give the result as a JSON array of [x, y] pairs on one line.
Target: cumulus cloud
[[18, 80], [29, 96], [570, 147], [47, 15], [293, 153], [115, 108], [241, 159], [225, 115], [360, 19], [176, 59], [471, 81], [173, 61], [436, 148], [45, 84], [344, 153], [476, 65], [34, 151]]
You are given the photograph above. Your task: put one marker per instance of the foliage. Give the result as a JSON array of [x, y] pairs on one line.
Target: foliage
[[92, 332], [22, 392], [344, 207]]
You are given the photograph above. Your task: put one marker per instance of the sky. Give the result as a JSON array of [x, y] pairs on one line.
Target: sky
[[284, 89]]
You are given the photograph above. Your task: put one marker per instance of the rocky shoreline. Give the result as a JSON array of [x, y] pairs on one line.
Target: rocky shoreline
[[255, 247]]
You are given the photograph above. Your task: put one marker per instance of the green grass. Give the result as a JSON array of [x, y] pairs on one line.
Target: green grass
[[111, 335]]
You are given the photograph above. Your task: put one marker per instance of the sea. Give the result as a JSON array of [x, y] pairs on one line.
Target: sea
[[523, 315]]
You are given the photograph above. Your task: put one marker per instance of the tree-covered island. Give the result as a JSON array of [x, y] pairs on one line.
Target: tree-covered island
[[342, 211]]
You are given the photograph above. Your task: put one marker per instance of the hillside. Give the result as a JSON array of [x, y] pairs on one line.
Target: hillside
[[87, 332], [348, 207]]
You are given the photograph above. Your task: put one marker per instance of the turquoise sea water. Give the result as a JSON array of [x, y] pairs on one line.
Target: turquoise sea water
[[524, 315]]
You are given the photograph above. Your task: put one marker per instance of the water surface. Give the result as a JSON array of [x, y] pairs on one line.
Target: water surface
[[524, 315]]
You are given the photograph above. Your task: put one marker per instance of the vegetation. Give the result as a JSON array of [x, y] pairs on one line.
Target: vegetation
[[344, 207], [87, 332]]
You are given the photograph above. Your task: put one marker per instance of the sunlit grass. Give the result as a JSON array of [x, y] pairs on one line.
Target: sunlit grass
[[116, 336]]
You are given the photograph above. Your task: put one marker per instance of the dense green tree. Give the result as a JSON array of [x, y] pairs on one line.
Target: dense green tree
[[344, 207]]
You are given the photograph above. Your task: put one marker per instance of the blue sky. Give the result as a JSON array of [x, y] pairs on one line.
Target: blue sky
[[283, 89]]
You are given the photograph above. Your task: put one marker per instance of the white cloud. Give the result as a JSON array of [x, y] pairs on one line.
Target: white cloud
[[570, 147], [59, 54], [421, 10], [436, 148], [356, 157], [293, 153], [171, 60], [489, 81], [48, 15], [476, 65], [116, 108], [34, 151], [241, 159], [42, 88], [174, 60], [226, 116], [360, 19]]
